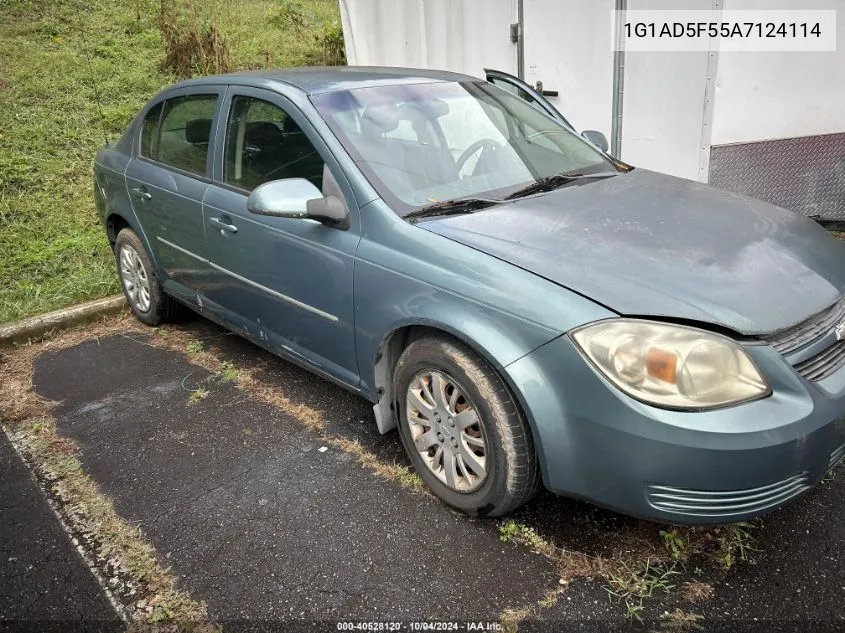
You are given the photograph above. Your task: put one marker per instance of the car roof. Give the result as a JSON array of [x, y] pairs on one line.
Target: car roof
[[316, 80]]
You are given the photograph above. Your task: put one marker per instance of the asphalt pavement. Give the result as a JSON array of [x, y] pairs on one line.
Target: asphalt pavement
[[260, 518], [44, 585]]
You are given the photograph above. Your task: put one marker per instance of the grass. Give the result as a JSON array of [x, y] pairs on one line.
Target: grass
[[632, 584], [57, 60]]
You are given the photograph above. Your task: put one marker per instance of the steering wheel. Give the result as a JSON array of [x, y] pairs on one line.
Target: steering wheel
[[482, 144]]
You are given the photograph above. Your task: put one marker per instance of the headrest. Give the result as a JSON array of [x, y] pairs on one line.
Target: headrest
[[289, 126], [198, 131], [381, 117], [263, 133]]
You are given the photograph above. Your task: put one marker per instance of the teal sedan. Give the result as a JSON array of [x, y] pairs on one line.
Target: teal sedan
[[526, 309]]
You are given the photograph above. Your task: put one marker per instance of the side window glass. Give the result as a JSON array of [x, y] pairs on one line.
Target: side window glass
[[185, 131], [506, 85], [518, 92], [149, 133], [263, 143]]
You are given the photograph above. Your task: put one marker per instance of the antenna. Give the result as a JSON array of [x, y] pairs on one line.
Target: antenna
[[93, 82]]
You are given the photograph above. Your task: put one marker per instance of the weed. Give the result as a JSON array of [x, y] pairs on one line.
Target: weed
[[632, 584], [520, 533], [674, 544], [191, 48], [326, 34], [197, 395], [680, 620], [723, 544], [734, 543], [227, 372], [549, 599], [696, 591], [195, 347], [509, 619]]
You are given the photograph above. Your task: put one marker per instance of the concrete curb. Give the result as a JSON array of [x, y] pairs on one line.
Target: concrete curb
[[34, 327]]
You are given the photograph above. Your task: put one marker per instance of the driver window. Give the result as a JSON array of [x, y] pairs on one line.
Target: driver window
[[263, 143]]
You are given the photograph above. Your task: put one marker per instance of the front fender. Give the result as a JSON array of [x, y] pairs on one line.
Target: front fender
[[406, 275]]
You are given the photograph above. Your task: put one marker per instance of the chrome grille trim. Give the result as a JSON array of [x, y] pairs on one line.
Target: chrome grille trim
[[792, 338], [824, 363], [725, 503], [836, 456]]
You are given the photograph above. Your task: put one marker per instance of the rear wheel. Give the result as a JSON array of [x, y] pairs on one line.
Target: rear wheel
[[462, 429], [140, 285]]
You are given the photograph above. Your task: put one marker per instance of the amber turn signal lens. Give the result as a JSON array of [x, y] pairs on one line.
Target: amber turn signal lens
[[662, 365]]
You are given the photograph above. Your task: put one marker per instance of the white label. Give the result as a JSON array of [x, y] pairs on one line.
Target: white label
[[731, 30]]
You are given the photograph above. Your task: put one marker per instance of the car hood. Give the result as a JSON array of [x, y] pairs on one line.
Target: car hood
[[647, 244]]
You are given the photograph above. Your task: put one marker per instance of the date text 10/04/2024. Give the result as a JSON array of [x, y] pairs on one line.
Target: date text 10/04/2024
[[419, 626]]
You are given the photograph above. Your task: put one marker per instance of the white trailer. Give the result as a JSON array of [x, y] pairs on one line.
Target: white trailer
[[767, 124]]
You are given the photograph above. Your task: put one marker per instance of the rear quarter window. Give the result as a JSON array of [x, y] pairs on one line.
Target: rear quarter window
[[149, 133]]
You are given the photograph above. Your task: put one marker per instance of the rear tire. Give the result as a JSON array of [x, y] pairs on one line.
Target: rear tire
[[462, 429], [141, 287]]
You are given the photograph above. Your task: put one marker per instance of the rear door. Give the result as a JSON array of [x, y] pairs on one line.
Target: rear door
[[285, 281], [167, 177]]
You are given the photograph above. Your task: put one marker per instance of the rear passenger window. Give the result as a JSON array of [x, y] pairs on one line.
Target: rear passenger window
[[263, 143], [149, 133], [183, 134]]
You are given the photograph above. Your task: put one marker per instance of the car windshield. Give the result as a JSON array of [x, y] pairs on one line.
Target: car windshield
[[423, 144]]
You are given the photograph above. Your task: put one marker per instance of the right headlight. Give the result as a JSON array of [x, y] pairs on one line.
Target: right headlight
[[671, 366]]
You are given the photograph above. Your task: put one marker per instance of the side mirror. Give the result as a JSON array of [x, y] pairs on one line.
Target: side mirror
[[596, 138], [297, 198]]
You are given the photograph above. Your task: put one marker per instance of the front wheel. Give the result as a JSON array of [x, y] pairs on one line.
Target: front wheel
[[462, 429], [143, 292]]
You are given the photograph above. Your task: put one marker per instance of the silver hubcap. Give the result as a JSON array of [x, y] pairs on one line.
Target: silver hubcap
[[447, 432], [135, 279]]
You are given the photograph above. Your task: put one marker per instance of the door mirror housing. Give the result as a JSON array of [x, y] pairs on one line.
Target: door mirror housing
[[297, 198], [596, 138]]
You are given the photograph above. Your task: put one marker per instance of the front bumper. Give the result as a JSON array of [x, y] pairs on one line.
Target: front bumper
[[720, 466]]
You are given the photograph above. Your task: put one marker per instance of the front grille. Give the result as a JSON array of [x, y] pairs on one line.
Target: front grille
[[824, 363], [707, 503], [792, 338], [836, 456]]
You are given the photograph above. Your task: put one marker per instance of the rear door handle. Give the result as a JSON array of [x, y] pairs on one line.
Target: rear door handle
[[142, 193], [223, 226]]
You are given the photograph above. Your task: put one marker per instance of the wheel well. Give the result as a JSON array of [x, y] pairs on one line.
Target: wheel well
[[388, 354], [114, 225]]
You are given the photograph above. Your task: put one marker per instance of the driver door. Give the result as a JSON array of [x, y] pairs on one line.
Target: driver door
[[524, 91], [284, 282]]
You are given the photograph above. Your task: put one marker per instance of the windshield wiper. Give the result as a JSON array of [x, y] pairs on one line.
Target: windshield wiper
[[553, 182], [452, 207]]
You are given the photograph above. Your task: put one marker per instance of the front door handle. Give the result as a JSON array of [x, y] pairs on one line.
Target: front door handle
[[142, 193], [223, 226]]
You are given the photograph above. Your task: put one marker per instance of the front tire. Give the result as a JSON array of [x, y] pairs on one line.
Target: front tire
[[462, 430], [140, 285]]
